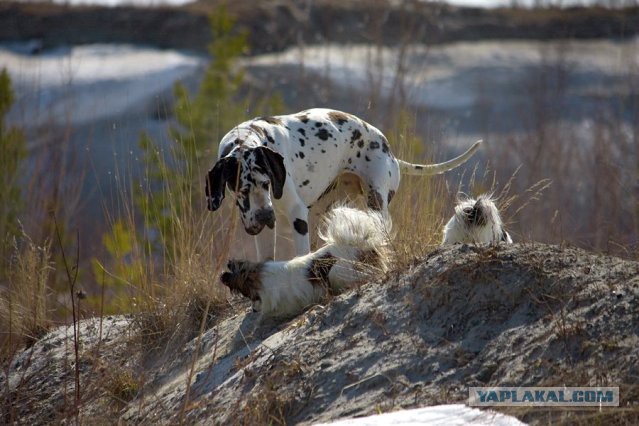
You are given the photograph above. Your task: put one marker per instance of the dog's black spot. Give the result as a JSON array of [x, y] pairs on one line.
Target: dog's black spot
[[300, 226], [318, 124], [301, 141], [355, 136], [338, 117], [322, 134], [246, 155], [245, 204], [360, 143], [271, 120], [323, 151], [350, 161], [385, 148], [302, 131], [374, 200], [250, 179], [374, 145], [269, 138], [319, 269], [391, 194], [306, 182], [389, 174], [301, 154], [366, 157], [359, 154], [303, 118], [258, 169]]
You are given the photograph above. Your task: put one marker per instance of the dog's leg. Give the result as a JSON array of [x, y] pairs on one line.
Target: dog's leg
[[265, 244], [378, 198], [298, 216]]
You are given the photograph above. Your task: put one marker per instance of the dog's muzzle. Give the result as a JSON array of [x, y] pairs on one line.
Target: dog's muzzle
[[265, 217]]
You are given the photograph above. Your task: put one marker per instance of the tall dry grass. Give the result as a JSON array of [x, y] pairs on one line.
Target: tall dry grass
[[24, 304], [172, 289]]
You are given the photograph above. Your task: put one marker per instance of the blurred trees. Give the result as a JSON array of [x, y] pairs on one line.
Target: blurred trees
[[12, 147]]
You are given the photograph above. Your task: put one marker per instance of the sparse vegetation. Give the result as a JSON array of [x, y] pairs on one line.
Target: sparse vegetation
[[164, 252]]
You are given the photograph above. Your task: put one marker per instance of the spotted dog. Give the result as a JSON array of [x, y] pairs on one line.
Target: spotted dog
[[355, 246], [476, 221], [298, 158]]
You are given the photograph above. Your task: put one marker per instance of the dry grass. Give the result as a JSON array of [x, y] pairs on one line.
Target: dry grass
[[24, 312], [175, 290]]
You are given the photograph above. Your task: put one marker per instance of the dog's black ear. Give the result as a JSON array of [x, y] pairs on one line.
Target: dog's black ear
[[273, 163], [224, 172]]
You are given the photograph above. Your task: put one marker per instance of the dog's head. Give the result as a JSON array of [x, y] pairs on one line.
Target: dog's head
[[250, 173], [478, 220], [244, 277], [476, 213]]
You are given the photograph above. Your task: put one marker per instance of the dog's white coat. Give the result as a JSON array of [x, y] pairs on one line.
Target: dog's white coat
[[460, 230]]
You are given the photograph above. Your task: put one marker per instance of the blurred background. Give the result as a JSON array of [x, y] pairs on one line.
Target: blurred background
[[112, 99]]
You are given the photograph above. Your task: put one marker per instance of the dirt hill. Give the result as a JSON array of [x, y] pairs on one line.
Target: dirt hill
[[520, 315]]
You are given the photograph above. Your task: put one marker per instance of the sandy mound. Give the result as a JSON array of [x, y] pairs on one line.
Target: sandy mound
[[520, 315]]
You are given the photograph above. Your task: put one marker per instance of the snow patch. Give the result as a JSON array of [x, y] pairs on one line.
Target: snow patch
[[444, 415], [90, 82]]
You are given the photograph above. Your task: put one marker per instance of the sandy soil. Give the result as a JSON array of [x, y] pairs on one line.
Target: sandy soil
[[520, 315]]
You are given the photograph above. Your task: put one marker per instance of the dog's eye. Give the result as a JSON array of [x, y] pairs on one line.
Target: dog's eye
[[265, 185], [468, 210]]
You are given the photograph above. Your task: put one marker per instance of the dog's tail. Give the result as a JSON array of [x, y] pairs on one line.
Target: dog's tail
[[365, 231], [435, 169]]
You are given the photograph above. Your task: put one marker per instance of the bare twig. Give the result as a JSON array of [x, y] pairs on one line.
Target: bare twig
[[72, 276]]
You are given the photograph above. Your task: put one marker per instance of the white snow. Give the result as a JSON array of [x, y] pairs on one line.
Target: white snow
[[92, 81], [439, 415], [453, 75]]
